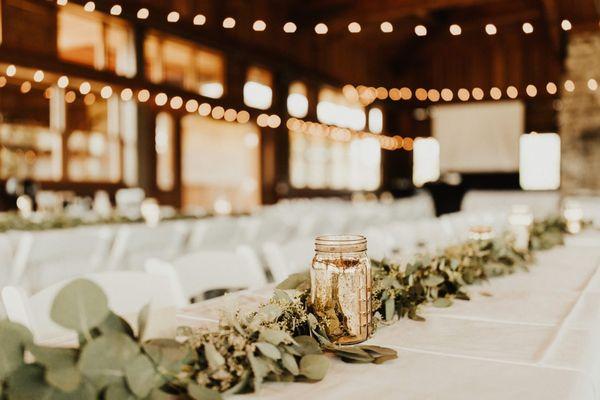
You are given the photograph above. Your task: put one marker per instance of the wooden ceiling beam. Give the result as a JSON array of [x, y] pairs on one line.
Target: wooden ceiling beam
[[552, 18]]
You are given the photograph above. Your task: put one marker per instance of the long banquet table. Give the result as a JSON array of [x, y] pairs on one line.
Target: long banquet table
[[531, 335]]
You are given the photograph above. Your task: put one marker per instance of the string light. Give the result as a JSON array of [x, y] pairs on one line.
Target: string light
[[161, 99], [321, 28], [433, 95], [259, 25], [218, 112], [420, 30], [62, 2], [116, 10], [491, 29], [228, 23], [406, 93], [463, 94], [143, 95], [199, 19], [89, 6], [89, 99], [143, 13], [531, 90], [495, 93], [191, 106], [447, 94], [230, 115], [395, 94], [566, 25], [551, 88], [25, 87], [38, 76], [262, 120], [173, 17], [11, 70], [512, 92], [592, 84], [477, 93], [354, 27], [204, 109], [569, 85], [455, 29], [3, 81], [243, 117], [63, 82], [176, 103], [106, 92], [85, 88], [386, 27], [527, 28], [126, 94], [289, 27], [421, 94], [70, 97], [274, 121]]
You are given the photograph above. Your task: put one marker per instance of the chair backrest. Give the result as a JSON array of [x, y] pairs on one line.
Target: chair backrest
[[6, 256], [136, 243], [46, 257], [216, 233], [193, 274], [127, 291], [288, 258]]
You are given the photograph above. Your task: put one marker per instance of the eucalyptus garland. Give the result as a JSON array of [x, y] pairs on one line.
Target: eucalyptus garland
[[282, 340]]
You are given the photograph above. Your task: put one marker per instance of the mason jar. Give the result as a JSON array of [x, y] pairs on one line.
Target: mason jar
[[520, 221], [340, 278]]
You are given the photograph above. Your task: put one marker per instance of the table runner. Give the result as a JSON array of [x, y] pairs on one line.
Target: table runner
[[531, 335]]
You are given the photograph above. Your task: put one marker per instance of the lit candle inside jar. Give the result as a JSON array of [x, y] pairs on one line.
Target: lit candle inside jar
[[573, 214], [25, 206], [520, 220], [150, 211], [481, 233]]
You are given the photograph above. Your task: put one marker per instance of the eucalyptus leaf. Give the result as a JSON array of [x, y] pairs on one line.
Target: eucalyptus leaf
[[314, 366], [143, 321], [141, 376], [260, 368], [28, 383], [119, 391], [199, 392], [104, 359], [269, 350], [168, 354], [432, 280], [442, 302], [295, 281], [81, 305], [13, 339], [114, 323], [390, 308], [307, 345], [289, 363], [275, 336]]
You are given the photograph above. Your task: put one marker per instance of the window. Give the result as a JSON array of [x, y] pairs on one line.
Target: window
[[426, 161], [184, 64], [539, 161], [165, 156], [320, 163], [297, 101], [95, 40], [375, 120], [29, 146], [335, 109], [257, 89]]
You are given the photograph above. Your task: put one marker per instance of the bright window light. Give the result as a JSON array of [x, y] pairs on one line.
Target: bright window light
[[297, 102], [214, 90], [539, 161], [426, 161], [375, 120], [257, 95], [365, 164]]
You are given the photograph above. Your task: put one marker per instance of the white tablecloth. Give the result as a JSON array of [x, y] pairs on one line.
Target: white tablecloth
[[531, 335]]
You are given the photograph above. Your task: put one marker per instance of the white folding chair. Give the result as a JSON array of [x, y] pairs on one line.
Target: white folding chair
[[193, 274], [46, 257], [218, 233], [6, 256], [288, 258], [136, 243], [127, 292]]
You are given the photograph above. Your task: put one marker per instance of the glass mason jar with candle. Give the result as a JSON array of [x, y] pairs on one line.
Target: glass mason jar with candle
[[481, 233], [341, 286], [573, 215], [520, 221]]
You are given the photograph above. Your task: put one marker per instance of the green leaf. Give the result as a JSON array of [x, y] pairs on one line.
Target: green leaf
[[275, 336], [390, 308], [432, 280], [442, 302], [81, 306], [289, 362], [314, 366], [13, 339], [61, 370], [104, 359], [295, 281], [260, 369], [168, 354], [214, 358], [307, 345], [378, 350], [119, 391], [66, 379], [143, 321], [141, 376], [114, 323], [28, 383], [269, 350], [199, 392]]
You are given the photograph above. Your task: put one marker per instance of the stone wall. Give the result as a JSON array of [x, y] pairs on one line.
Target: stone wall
[[579, 116]]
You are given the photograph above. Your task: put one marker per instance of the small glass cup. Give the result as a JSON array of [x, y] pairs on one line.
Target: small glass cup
[[520, 221], [341, 287]]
